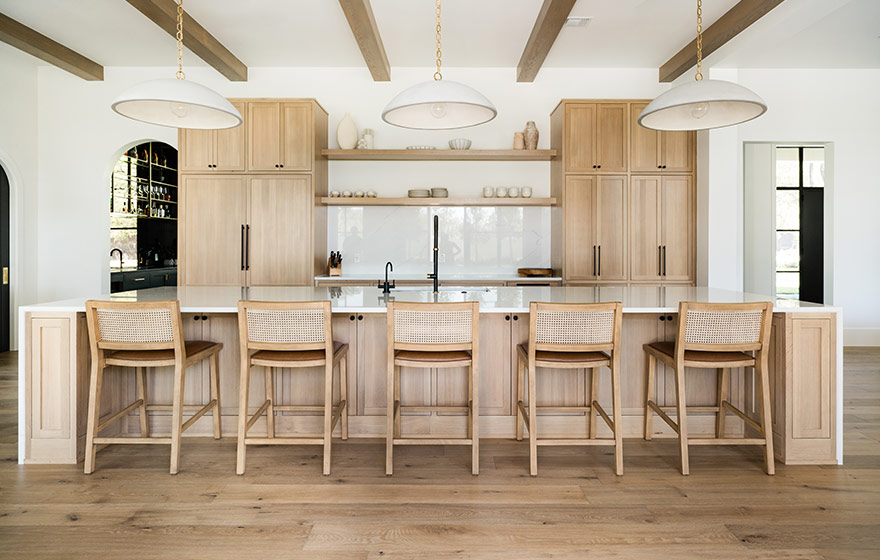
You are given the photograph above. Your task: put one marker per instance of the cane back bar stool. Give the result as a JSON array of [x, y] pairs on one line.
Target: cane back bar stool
[[575, 336], [432, 335], [715, 335], [289, 335], [145, 335]]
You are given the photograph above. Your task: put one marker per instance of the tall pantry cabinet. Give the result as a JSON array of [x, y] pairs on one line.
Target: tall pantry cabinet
[[626, 196], [256, 224]]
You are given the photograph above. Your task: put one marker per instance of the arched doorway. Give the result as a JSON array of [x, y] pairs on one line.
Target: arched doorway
[[143, 218], [5, 218]]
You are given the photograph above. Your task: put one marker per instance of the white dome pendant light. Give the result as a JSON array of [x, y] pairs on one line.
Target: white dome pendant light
[[702, 104], [439, 104], [177, 102]]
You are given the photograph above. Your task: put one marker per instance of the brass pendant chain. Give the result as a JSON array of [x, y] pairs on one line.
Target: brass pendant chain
[[699, 75], [437, 75], [180, 74]]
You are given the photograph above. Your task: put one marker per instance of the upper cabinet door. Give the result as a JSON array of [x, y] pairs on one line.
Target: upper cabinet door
[[676, 149], [279, 247], [676, 209], [296, 137], [611, 137], [580, 137], [610, 217], [229, 144], [645, 247], [579, 259], [264, 133], [645, 155], [213, 230], [196, 149]]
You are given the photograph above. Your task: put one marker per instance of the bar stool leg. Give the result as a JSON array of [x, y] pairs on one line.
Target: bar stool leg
[[533, 422], [617, 414], [475, 418], [397, 400], [594, 395], [177, 416], [681, 409], [389, 418], [95, 383], [270, 396], [649, 396], [722, 396], [142, 396], [343, 395], [766, 418], [520, 399], [214, 365], [244, 382], [328, 414]]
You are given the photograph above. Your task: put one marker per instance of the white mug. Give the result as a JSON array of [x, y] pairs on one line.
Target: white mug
[[500, 192], [488, 192], [527, 192], [513, 192]]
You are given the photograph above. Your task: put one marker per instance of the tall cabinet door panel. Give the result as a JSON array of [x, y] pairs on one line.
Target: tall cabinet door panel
[[264, 132], [611, 137], [610, 216], [645, 252], [196, 149], [580, 130], [229, 153], [579, 227], [645, 153], [676, 206], [280, 231], [296, 138], [215, 212], [676, 149]]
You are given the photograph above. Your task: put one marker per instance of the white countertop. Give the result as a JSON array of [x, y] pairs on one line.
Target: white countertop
[[635, 299], [448, 279]]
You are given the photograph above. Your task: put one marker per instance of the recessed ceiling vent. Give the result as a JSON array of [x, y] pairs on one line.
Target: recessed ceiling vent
[[577, 21]]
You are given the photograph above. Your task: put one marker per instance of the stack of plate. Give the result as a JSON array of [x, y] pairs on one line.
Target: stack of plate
[[439, 192], [419, 193]]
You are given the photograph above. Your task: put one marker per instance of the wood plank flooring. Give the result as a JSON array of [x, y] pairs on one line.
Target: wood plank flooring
[[432, 508]]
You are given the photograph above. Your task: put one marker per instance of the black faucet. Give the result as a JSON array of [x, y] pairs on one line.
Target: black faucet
[[386, 287], [436, 276], [117, 250]]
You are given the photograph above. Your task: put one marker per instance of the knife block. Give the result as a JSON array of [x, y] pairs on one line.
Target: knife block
[[334, 270]]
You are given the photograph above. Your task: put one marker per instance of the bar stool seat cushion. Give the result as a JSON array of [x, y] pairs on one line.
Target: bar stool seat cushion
[[566, 357], [194, 349], [417, 356], [726, 359], [294, 355]]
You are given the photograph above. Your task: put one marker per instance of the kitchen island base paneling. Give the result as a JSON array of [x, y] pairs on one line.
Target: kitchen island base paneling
[[55, 368]]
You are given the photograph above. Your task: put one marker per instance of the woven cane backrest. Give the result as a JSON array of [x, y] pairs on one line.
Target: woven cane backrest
[[433, 326], [135, 325], [285, 326], [723, 327], [574, 327]]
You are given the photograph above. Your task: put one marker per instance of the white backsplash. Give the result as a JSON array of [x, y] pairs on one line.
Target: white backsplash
[[473, 240]]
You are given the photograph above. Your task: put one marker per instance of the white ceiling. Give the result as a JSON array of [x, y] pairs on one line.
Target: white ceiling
[[484, 33]]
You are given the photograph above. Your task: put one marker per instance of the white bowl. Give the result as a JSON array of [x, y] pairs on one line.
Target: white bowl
[[459, 144]]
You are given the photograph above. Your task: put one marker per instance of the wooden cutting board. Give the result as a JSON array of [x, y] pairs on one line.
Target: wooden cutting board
[[533, 272]]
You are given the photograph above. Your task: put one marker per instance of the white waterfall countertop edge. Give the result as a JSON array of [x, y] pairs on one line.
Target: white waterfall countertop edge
[[635, 299]]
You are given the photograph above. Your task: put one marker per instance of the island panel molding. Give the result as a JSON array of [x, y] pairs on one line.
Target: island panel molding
[[804, 369], [601, 144]]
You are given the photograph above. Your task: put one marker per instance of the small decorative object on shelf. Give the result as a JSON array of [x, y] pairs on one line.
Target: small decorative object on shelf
[[439, 192], [421, 147], [519, 142], [371, 194], [366, 139], [488, 192], [334, 264], [531, 136], [527, 192], [500, 192], [513, 192], [460, 144], [334, 194], [347, 133]]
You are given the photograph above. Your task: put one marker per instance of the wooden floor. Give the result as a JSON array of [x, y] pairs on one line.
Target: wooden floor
[[434, 509]]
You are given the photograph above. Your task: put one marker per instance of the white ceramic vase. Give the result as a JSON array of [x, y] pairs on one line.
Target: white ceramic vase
[[347, 133]]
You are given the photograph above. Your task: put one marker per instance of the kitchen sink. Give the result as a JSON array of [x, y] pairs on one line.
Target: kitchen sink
[[462, 289]]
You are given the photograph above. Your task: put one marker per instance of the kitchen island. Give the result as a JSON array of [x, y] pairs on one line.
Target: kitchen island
[[805, 368]]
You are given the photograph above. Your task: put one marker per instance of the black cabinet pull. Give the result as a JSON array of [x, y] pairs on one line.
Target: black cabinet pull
[[659, 260], [669, 317], [516, 317], [196, 318], [664, 260], [242, 246], [204, 317], [599, 261], [599, 166], [662, 317], [247, 247], [280, 165], [351, 318], [360, 317], [507, 317], [594, 260]]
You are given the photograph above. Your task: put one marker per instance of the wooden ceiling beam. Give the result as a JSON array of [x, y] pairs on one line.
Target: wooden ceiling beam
[[35, 43], [728, 26], [360, 18], [195, 37], [550, 20]]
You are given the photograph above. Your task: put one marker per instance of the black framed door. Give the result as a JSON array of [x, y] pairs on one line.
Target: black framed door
[[4, 261]]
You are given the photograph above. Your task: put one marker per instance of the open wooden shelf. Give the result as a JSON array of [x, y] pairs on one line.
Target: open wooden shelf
[[441, 155], [386, 201]]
